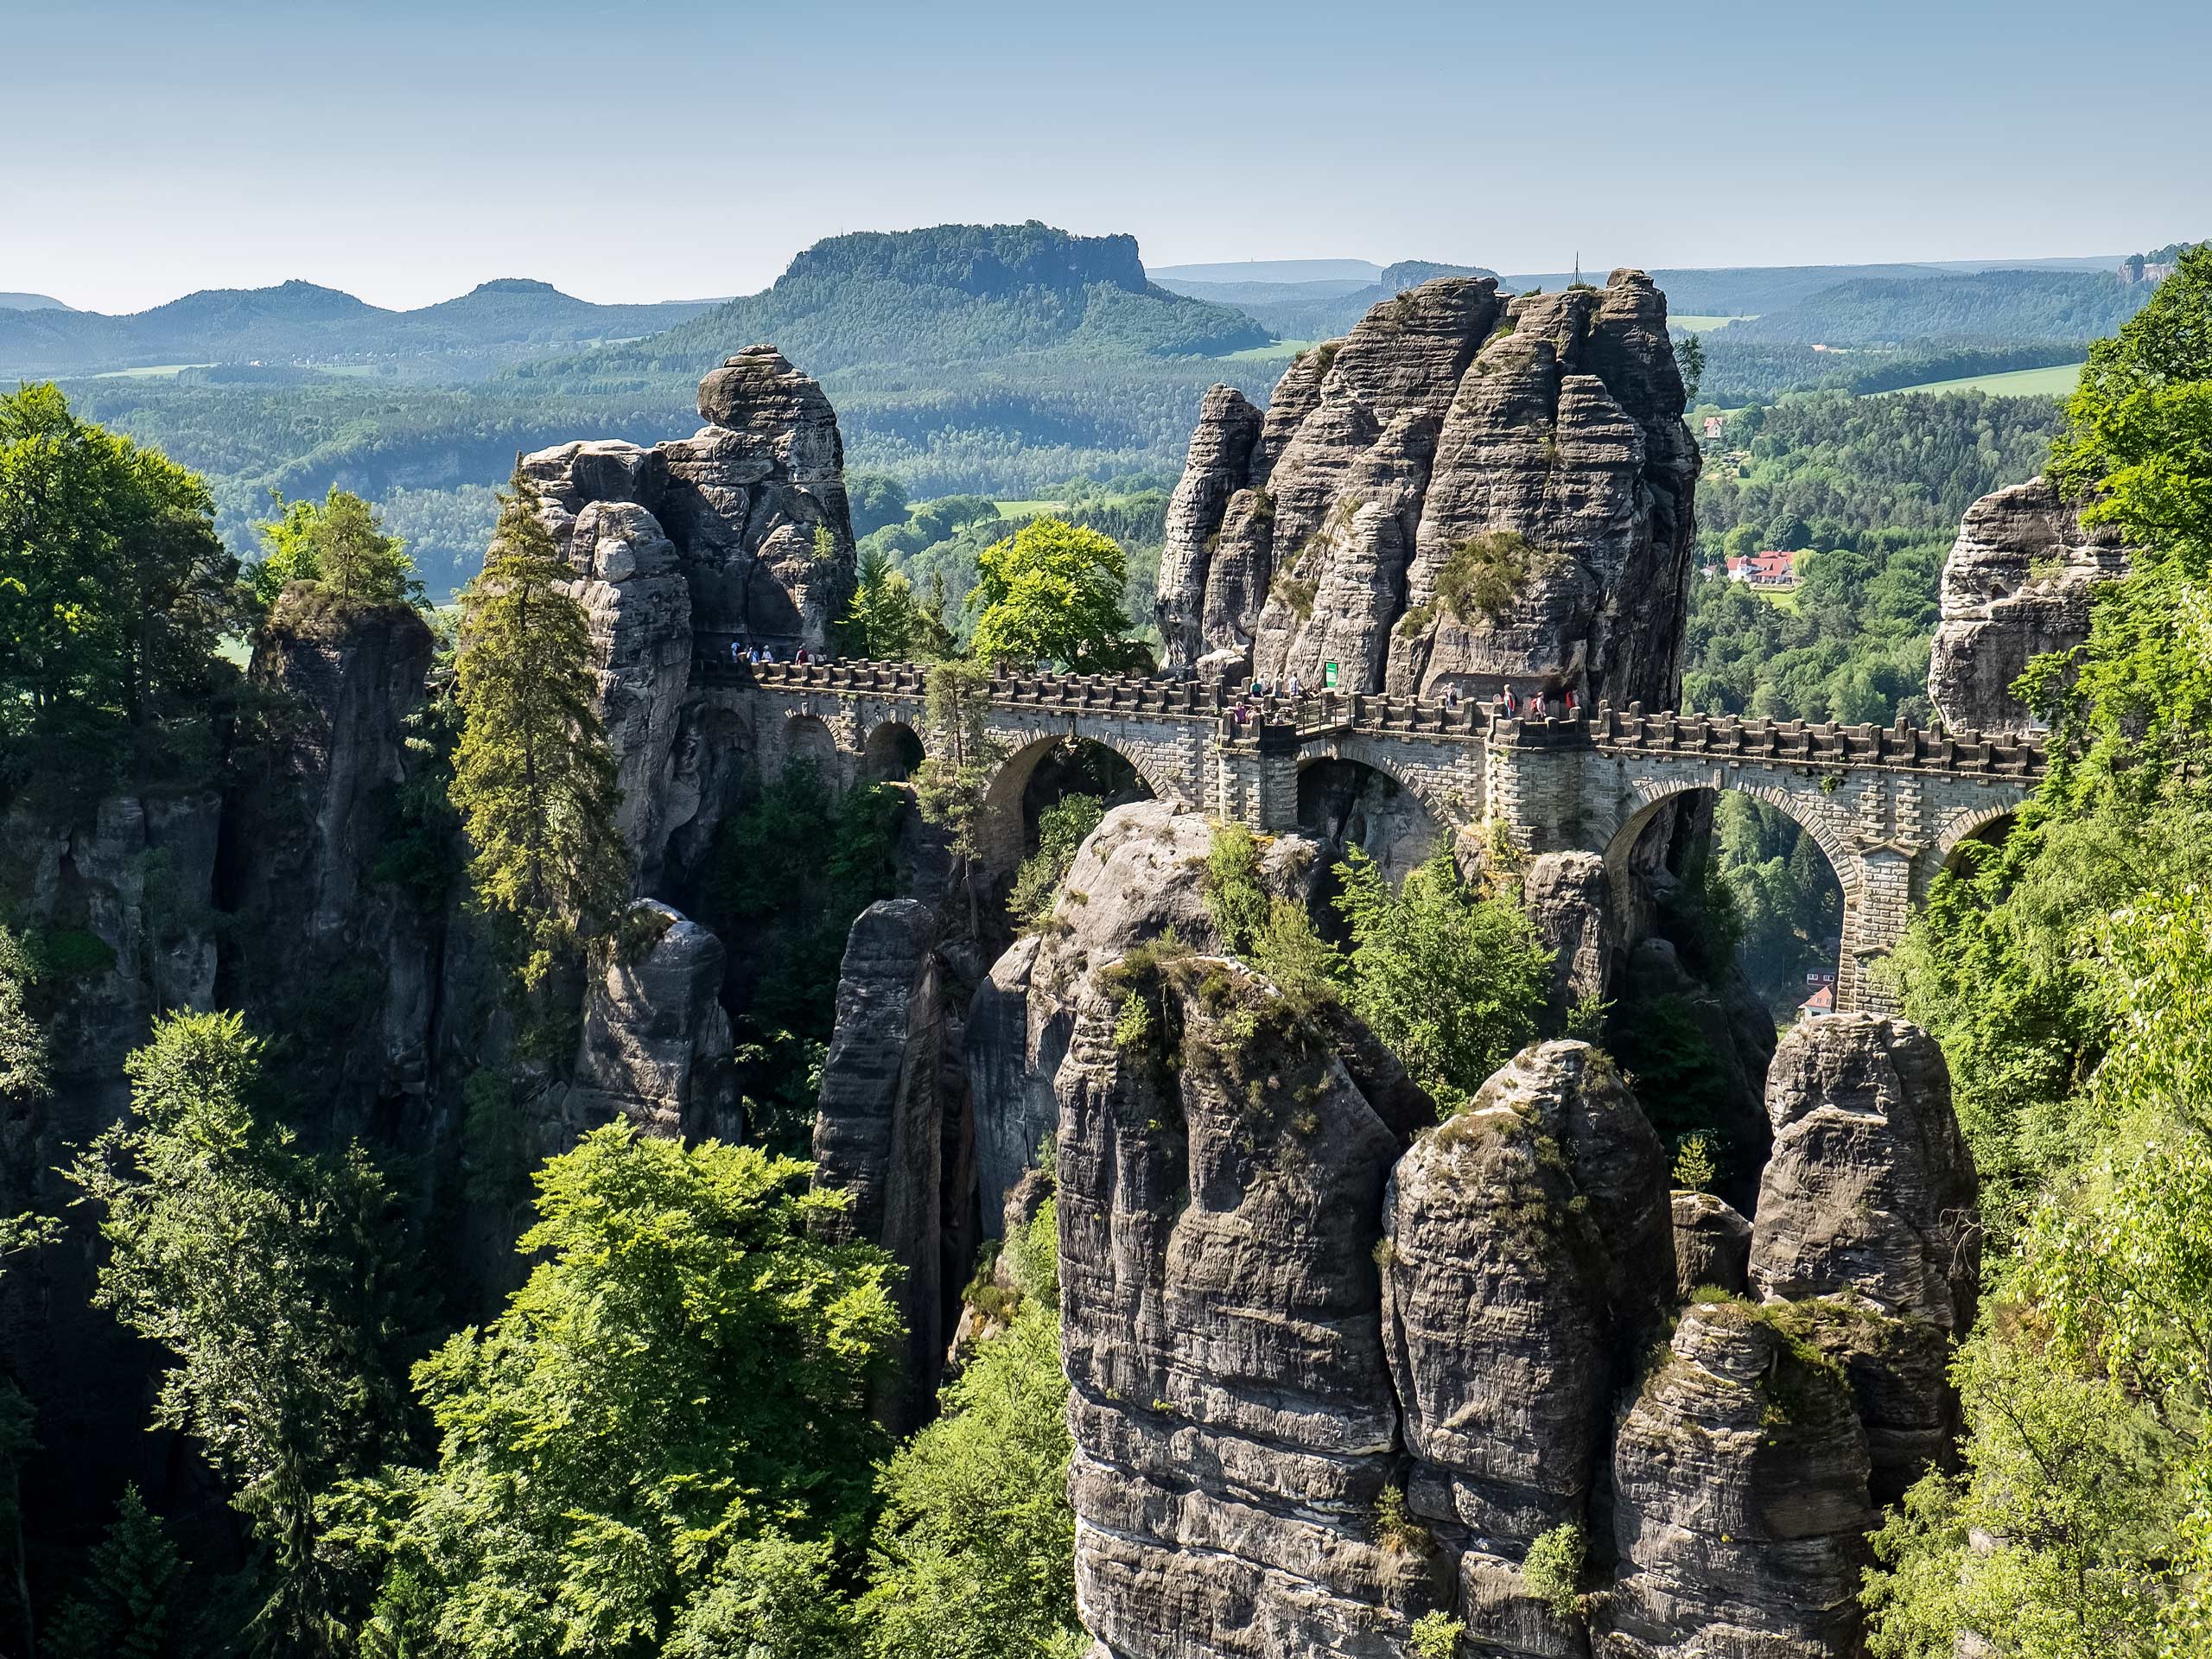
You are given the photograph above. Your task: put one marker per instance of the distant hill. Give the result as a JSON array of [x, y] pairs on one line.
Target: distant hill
[[949, 294], [30, 303], [298, 323], [1357, 272], [1318, 309], [2006, 307]]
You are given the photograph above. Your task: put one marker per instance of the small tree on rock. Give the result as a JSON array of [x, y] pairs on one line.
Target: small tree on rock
[[1053, 591], [953, 783]]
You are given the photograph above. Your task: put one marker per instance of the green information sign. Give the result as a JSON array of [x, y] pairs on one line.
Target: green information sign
[[1328, 677]]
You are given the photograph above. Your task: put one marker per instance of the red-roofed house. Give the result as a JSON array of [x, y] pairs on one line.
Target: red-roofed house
[[1769, 570]]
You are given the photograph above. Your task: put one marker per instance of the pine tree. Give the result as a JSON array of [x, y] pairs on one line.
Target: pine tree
[[955, 781], [120, 1609], [533, 777]]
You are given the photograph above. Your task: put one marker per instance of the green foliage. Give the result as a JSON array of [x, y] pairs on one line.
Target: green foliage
[[124, 1607], [1697, 1169], [884, 621], [876, 499], [1436, 1636], [1396, 1526], [771, 1597], [1689, 361], [533, 777], [974, 1557], [1234, 900], [790, 871], [274, 1280], [1552, 1570], [1053, 592], [1784, 895], [113, 587], [653, 1439], [1450, 980], [953, 783], [2067, 976], [1061, 829], [1484, 574], [340, 545], [22, 1044]]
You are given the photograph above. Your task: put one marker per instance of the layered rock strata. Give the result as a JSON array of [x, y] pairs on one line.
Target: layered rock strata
[[656, 1048], [2017, 584], [1740, 1481], [1712, 1245], [1467, 491], [1527, 1255], [879, 1135], [737, 536], [1868, 1203], [1235, 1430]]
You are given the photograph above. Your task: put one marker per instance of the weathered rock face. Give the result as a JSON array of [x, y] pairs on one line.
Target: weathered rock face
[[1869, 1199], [2017, 584], [1569, 903], [641, 613], [1234, 1424], [1544, 431], [879, 1136], [1740, 1483], [1528, 1259], [1139, 874], [1738, 1030], [307, 832], [1712, 1245], [739, 535], [657, 1047]]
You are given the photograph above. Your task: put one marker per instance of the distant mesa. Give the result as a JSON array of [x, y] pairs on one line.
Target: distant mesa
[[32, 303]]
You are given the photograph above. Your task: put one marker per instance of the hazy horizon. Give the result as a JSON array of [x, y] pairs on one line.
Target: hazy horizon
[[406, 156]]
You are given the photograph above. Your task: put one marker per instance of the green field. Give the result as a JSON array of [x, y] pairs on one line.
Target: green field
[[1692, 323], [164, 372], [1027, 509], [1256, 353], [2055, 382]]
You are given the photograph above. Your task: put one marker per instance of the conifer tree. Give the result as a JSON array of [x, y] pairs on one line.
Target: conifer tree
[[533, 777], [121, 1608]]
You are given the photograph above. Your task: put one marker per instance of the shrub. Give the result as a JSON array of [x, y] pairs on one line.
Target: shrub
[[1436, 1636], [1485, 574], [1552, 1570]]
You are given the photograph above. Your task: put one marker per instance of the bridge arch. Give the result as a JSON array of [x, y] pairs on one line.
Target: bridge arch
[[1398, 825], [808, 738], [1002, 829], [1970, 824], [1656, 794], [891, 752]]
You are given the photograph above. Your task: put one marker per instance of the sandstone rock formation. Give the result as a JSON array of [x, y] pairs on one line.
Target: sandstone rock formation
[[1740, 1481], [739, 535], [1712, 1245], [1140, 874], [2017, 584], [1540, 437], [657, 1047], [1528, 1257], [1569, 903], [345, 679], [1869, 1200], [879, 1136], [1219, 1178]]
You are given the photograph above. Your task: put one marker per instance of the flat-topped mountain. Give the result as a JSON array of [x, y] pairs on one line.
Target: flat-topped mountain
[[949, 294]]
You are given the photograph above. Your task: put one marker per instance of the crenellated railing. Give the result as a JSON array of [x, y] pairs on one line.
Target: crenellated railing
[[1319, 715]]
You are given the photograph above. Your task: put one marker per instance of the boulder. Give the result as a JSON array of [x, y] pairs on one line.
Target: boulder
[[1712, 1245], [2017, 584], [1527, 1259], [1545, 431], [1869, 1201], [657, 1047], [1739, 1476], [1569, 901]]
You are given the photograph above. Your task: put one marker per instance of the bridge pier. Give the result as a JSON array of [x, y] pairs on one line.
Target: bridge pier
[[1257, 777]]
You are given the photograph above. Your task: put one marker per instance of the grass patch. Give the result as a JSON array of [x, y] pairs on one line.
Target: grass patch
[[2057, 381], [1261, 353]]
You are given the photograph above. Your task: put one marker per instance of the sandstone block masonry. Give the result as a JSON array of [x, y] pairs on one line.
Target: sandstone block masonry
[[1888, 807]]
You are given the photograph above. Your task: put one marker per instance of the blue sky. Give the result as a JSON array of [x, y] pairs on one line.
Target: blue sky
[[405, 151]]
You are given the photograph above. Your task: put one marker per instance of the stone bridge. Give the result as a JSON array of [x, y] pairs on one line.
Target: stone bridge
[[1888, 807]]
